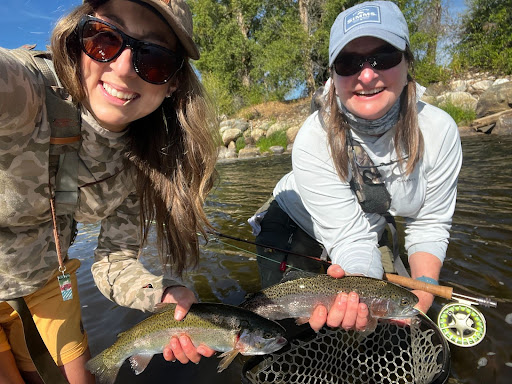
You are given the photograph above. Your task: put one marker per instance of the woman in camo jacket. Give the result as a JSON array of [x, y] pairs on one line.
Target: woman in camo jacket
[[146, 155]]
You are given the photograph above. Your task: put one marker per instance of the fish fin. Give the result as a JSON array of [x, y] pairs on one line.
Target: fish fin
[[227, 358], [361, 335], [370, 328], [372, 324], [162, 307], [99, 367], [301, 320], [140, 362], [294, 275], [248, 298]]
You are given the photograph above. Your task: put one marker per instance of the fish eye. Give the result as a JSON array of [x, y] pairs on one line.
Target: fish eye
[[404, 301], [267, 335]]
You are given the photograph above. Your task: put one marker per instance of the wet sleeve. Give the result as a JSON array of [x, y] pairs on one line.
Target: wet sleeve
[[117, 272], [21, 98], [338, 220], [429, 230]]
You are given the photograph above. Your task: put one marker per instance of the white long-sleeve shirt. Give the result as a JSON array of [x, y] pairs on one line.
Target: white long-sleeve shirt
[[326, 208]]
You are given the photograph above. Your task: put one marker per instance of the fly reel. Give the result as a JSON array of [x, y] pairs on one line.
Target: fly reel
[[461, 324]]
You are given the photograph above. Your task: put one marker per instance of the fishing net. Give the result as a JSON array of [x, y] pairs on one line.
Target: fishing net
[[392, 354]]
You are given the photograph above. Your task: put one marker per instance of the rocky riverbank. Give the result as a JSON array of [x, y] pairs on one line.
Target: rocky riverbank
[[489, 96]]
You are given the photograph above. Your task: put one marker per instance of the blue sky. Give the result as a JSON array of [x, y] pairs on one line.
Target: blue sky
[[31, 21]]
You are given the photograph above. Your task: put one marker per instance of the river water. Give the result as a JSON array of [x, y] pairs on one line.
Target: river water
[[478, 263]]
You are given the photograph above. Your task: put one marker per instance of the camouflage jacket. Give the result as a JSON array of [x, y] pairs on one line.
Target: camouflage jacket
[[106, 193]]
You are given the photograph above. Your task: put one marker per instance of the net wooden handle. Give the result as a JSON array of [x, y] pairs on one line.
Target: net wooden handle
[[407, 282]]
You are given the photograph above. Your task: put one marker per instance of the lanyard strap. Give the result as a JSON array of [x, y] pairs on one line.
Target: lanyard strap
[[62, 267]]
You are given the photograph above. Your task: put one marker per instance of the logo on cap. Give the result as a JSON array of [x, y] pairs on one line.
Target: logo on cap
[[369, 14]]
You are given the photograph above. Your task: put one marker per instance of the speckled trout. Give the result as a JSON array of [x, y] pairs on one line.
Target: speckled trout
[[298, 295], [224, 328]]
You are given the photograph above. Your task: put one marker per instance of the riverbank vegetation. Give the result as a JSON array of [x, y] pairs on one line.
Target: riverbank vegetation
[[255, 51]]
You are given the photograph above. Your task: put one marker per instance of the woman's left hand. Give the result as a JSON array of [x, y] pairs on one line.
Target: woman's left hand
[[181, 348], [346, 312]]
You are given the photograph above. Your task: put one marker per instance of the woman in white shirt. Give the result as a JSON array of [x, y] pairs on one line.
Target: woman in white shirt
[[372, 111]]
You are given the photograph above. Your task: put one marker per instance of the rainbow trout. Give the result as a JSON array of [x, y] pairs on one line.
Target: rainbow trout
[[221, 327], [296, 297]]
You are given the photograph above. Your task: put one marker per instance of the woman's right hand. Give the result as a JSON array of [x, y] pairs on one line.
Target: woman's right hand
[[347, 312], [181, 348]]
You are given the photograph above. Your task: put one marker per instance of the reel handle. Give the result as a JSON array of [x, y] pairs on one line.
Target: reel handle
[[408, 282]]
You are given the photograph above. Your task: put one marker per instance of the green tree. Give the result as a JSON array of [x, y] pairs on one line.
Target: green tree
[[485, 39], [259, 50]]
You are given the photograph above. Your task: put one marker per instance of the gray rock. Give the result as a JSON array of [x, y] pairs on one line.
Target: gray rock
[[231, 134], [221, 152], [249, 152], [496, 99], [291, 133], [459, 99], [276, 150], [277, 127], [503, 125], [482, 86]]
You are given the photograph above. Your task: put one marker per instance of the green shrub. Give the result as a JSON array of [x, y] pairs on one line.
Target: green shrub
[[461, 115], [222, 99], [240, 144], [277, 138]]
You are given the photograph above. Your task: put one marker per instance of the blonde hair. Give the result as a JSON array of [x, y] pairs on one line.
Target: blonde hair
[[173, 150], [408, 137]]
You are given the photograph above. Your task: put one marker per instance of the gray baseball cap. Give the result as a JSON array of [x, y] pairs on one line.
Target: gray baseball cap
[[380, 19]]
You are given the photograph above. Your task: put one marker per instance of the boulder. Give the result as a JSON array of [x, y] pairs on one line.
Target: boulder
[[276, 150], [496, 99], [291, 133], [249, 152], [503, 125], [274, 128], [231, 134], [221, 152], [459, 85], [459, 99], [257, 133], [482, 86], [231, 154]]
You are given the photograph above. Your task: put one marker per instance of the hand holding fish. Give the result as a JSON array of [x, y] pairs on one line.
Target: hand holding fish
[[181, 348], [347, 312]]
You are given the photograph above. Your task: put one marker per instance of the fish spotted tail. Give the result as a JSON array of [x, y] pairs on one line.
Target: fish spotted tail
[[106, 373]]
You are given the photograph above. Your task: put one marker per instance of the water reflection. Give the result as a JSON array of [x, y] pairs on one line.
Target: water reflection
[[479, 262]]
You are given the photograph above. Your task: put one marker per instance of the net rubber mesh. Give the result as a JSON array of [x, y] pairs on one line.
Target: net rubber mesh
[[391, 354]]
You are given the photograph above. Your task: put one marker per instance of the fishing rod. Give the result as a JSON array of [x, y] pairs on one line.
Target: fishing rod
[[408, 282]]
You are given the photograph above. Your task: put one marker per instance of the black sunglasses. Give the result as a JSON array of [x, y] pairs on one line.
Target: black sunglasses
[[348, 64], [104, 42]]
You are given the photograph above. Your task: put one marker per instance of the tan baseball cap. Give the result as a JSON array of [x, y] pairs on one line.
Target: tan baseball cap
[[178, 15]]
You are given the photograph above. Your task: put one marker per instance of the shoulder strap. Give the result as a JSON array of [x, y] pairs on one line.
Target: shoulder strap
[[45, 366], [64, 120]]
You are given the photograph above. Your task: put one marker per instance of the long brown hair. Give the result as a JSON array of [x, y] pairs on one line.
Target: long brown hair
[[408, 137], [173, 151]]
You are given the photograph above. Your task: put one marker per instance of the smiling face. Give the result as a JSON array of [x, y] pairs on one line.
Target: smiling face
[[115, 94], [370, 93]]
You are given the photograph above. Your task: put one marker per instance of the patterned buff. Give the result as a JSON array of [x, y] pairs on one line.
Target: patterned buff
[[372, 127]]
